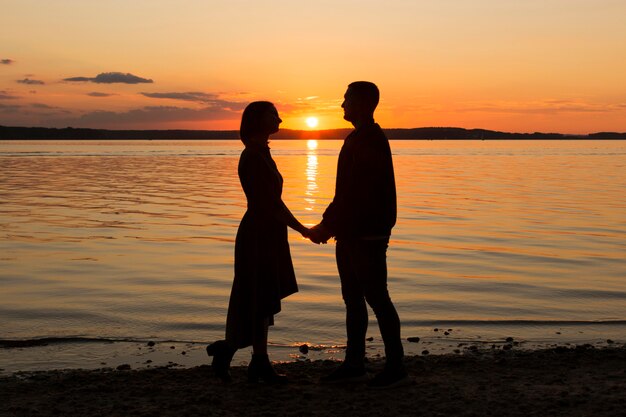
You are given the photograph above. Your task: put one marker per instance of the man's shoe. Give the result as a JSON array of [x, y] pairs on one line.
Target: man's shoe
[[345, 374], [390, 379]]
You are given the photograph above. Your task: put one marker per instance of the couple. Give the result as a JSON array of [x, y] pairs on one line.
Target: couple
[[360, 217]]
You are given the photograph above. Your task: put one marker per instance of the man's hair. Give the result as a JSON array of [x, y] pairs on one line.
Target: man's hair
[[367, 92], [252, 119]]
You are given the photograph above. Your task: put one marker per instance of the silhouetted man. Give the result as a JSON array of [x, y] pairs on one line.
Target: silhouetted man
[[361, 217]]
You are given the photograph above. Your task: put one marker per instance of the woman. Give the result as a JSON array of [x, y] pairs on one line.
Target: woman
[[263, 269]]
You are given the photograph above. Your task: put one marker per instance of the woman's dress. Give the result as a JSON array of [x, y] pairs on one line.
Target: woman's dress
[[264, 273]]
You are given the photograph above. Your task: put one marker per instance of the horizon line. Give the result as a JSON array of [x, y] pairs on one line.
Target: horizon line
[[312, 131]]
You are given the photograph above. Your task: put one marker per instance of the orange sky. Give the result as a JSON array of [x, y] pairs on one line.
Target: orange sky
[[525, 66]]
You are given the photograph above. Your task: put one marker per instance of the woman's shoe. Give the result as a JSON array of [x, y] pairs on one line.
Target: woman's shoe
[[222, 355], [260, 368]]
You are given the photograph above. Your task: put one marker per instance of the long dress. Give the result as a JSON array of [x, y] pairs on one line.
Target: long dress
[[264, 273]]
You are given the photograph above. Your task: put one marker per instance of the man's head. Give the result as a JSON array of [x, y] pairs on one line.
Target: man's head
[[360, 101]]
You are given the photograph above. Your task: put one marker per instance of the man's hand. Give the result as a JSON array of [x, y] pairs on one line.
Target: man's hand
[[319, 234]]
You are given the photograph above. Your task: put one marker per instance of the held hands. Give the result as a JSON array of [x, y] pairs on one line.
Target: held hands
[[319, 234]]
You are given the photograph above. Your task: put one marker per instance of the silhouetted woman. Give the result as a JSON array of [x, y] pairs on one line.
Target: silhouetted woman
[[264, 272]]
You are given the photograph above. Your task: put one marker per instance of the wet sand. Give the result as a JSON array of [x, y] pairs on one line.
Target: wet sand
[[563, 381]]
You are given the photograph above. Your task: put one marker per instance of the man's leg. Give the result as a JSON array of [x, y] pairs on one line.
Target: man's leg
[[354, 299], [353, 367], [372, 270]]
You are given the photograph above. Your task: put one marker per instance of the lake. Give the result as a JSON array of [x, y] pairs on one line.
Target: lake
[[134, 240]]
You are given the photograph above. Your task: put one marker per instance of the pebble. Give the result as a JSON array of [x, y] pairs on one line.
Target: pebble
[[123, 367], [304, 349], [151, 343], [609, 341], [370, 339], [509, 339], [585, 346], [413, 339], [446, 333], [436, 329], [172, 347], [425, 352]]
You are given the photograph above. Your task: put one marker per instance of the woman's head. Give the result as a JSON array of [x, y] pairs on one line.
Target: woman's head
[[259, 120]]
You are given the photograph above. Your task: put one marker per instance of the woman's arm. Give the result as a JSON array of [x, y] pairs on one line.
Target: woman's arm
[[263, 191]]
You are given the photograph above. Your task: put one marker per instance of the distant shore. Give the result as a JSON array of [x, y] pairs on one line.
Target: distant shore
[[561, 381], [452, 133]]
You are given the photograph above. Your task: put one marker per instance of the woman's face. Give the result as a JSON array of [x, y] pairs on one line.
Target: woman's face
[[272, 120]]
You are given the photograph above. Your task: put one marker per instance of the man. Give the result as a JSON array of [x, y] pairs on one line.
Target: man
[[361, 217]]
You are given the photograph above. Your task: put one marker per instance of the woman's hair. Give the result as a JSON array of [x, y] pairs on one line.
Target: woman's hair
[[252, 119]]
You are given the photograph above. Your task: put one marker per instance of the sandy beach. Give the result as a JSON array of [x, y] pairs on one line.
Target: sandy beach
[[565, 381]]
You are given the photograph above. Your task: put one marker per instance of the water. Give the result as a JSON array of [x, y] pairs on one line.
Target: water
[[134, 240]]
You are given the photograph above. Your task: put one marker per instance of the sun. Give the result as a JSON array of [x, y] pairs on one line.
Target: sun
[[312, 122]]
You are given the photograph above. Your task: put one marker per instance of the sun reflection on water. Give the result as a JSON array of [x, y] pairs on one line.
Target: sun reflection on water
[[311, 175]]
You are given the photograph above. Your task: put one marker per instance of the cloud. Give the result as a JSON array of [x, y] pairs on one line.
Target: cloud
[[97, 94], [42, 106], [308, 105], [542, 107], [111, 78], [9, 108], [79, 79], [30, 82], [149, 116], [6, 61], [31, 114], [209, 99], [5, 95], [189, 96], [47, 110]]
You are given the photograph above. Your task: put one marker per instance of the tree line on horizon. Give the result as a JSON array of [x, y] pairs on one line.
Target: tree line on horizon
[[69, 133]]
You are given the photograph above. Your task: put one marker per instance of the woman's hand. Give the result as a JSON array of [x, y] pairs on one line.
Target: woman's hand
[[305, 232]]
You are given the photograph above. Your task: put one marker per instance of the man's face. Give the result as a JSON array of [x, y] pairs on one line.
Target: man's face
[[351, 106]]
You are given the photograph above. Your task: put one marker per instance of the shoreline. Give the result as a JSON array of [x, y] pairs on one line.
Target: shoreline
[[88, 353], [577, 380]]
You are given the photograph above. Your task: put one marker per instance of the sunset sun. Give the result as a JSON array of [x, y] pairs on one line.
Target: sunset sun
[[312, 122]]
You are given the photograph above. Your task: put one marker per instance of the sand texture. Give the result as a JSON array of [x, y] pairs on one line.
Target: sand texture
[[578, 381]]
